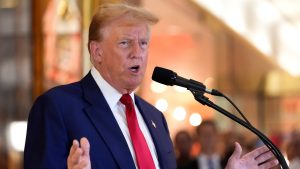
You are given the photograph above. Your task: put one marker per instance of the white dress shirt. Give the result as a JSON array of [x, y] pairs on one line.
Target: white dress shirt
[[203, 161], [295, 163], [112, 96]]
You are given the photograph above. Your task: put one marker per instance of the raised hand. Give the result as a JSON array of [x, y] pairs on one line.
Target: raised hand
[[79, 156], [260, 158]]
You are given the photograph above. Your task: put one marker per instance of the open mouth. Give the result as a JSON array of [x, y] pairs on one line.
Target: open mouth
[[135, 69]]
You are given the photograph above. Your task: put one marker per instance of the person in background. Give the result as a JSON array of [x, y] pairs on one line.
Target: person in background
[[293, 150], [208, 136], [183, 144], [99, 122]]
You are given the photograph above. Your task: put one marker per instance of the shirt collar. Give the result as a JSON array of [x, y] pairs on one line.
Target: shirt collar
[[111, 95]]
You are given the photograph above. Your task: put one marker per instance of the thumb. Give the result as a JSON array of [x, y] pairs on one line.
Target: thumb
[[237, 151], [85, 145]]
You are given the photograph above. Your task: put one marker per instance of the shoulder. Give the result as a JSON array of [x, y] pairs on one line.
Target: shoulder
[[61, 94], [70, 90], [64, 90]]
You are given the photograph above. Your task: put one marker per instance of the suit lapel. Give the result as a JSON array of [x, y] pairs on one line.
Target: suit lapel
[[147, 116], [155, 128], [105, 123]]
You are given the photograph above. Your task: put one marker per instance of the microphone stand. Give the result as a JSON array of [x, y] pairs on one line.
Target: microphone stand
[[199, 96]]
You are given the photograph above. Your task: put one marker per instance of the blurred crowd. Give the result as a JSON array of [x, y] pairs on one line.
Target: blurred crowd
[[293, 150], [205, 147]]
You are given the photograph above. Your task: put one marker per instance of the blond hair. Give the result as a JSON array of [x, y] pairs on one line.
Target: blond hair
[[107, 13]]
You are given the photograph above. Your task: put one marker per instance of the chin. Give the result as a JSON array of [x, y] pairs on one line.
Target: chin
[[134, 85], [133, 82]]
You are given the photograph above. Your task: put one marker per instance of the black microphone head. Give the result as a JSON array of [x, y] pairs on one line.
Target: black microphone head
[[164, 76]]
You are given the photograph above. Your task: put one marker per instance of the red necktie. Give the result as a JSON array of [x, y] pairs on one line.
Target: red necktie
[[142, 152]]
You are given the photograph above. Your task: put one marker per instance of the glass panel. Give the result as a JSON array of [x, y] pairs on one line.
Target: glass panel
[[15, 74], [62, 43]]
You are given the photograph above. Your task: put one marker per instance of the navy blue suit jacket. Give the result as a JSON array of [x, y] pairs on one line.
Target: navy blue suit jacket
[[79, 110]]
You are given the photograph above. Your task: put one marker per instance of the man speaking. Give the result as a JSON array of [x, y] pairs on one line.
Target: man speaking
[[98, 122]]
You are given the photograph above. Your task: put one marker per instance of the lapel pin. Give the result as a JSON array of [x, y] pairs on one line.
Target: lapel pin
[[153, 124]]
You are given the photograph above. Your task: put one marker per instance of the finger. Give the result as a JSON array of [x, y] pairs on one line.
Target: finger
[[85, 145], [269, 164], [73, 149], [264, 157], [75, 159], [74, 146], [258, 151], [237, 151]]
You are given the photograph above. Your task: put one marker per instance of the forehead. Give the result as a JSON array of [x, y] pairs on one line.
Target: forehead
[[129, 26]]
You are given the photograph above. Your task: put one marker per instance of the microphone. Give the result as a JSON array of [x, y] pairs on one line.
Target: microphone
[[168, 77]]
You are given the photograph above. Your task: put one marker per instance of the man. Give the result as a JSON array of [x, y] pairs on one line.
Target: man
[[207, 135], [114, 133], [183, 142], [293, 150]]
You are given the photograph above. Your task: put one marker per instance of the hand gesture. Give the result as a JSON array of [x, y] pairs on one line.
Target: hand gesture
[[260, 158], [79, 157]]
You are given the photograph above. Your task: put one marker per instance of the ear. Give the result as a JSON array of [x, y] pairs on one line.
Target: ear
[[96, 51]]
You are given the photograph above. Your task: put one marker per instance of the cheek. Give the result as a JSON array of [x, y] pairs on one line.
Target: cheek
[[145, 56], [118, 65], [96, 61], [119, 55], [112, 57]]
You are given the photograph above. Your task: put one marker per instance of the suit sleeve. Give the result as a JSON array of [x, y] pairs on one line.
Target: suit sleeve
[[46, 140]]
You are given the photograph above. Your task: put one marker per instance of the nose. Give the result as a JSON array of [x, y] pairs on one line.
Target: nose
[[136, 50]]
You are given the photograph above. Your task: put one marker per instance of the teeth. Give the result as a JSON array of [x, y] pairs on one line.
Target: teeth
[[134, 68]]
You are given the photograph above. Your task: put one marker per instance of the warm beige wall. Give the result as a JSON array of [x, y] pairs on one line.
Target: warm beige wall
[[195, 44]]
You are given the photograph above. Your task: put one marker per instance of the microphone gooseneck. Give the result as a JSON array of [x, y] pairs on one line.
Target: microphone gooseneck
[[168, 77]]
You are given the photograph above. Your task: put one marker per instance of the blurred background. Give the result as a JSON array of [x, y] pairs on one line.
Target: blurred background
[[247, 49]]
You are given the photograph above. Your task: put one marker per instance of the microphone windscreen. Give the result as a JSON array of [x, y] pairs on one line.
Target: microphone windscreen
[[164, 76]]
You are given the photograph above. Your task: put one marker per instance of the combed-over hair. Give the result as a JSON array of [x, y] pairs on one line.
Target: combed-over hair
[[107, 13]]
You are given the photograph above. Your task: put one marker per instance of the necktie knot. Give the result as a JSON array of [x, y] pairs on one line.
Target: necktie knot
[[126, 100]]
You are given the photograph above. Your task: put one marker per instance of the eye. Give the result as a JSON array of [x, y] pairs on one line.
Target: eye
[[124, 43], [144, 44]]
